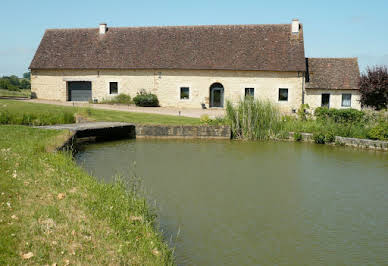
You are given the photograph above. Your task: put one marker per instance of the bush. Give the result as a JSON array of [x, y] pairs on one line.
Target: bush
[[339, 115], [297, 136], [146, 99], [379, 132], [119, 99], [329, 137], [319, 137], [205, 119], [303, 112], [374, 87], [253, 119]]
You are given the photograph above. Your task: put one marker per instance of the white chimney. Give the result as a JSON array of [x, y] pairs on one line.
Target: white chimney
[[103, 28], [295, 26]]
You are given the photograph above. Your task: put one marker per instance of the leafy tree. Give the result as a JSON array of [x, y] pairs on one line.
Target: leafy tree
[[374, 87], [25, 84], [14, 80], [27, 75]]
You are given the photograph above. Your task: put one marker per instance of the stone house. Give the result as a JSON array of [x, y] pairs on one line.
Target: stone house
[[190, 66]]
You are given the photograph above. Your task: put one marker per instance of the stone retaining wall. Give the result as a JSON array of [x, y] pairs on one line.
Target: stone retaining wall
[[363, 143], [354, 142], [160, 131]]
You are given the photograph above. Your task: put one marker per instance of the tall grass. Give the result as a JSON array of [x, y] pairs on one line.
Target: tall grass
[[253, 119], [36, 118]]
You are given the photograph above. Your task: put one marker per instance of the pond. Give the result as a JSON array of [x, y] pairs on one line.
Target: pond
[[250, 203]]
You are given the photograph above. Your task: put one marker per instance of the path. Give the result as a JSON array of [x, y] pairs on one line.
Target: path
[[188, 112]]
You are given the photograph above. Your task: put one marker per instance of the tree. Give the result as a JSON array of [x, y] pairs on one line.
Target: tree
[[27, 75], [25, 84], [374, 87]]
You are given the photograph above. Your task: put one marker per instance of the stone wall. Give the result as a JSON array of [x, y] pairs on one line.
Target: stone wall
[[363, 143], [52, 84], [354, 142], [159, 131]]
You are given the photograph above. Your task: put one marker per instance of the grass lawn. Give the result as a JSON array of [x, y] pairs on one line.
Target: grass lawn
[[51, 211], [21, 93], [97, 114]]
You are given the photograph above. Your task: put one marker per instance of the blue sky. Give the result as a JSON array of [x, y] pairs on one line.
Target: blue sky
[[331, 28]]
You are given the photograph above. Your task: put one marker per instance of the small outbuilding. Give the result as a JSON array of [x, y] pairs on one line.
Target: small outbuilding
[[332, 82]]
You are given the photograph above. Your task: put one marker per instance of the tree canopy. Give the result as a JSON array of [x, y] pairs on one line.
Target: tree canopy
[[14, 83], [374, 87]]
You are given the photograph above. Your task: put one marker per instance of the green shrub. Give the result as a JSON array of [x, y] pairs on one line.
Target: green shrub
[[339, 115], [329, 137], [379, 132], [253, 119], [146, 99], [119, 99], [297, 136], [319, 137], [303, 112], [205, 119]]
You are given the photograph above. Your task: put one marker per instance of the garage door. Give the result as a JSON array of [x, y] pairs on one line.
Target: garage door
[[79, 90]]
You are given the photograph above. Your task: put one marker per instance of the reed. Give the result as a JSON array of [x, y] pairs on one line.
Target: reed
[[253, 119]]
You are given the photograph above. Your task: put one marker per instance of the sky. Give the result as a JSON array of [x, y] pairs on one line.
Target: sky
[[339, 28]]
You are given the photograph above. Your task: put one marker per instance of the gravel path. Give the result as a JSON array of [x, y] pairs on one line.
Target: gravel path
[[189, 112]]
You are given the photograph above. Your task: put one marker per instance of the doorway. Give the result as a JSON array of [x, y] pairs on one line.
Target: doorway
[[216, 95]]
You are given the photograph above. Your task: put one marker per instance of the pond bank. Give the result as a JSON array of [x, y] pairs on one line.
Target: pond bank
[[55, 213], [353, 142], [119, 130]]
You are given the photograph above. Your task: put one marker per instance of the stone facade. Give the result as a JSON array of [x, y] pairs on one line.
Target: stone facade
[[166, 84], [313, 97]]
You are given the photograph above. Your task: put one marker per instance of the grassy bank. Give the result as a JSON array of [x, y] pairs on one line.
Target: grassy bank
[[18, 108], [17, 93], [51, 211]]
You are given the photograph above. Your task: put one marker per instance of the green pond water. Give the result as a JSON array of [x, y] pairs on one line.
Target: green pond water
[[258, 203]]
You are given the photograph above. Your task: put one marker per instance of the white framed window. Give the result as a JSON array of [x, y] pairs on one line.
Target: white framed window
[[283, 95], [184, 93], [346, 100], [113, 87]]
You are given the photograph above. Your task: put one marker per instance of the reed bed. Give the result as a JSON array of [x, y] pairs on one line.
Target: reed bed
[[252, 119]]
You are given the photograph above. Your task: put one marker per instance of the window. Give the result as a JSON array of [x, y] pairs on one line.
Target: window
[[346, 100], [325, 100], [249, 92], [283, 95], [185, 93], [113, 88]]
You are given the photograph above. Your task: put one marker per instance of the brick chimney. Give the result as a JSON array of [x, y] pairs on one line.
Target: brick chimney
[[295, 26], [103, 28]]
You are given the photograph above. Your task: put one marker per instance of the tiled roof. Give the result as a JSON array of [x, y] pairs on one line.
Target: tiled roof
[[228, 47], [332, 73]]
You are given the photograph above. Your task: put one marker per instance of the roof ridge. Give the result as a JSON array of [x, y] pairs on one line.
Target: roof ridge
[[349, 58], [174, 26]]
